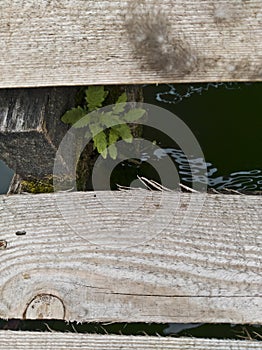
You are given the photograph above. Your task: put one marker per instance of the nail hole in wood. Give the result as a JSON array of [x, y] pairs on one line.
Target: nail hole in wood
[[20, 233]]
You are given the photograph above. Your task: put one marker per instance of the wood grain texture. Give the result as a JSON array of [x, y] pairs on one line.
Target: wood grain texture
[[58, 341], [126, 256], [31, 128], [82, 42]]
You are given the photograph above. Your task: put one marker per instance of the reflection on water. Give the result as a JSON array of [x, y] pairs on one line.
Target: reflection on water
[[176, 94], [190, 168]]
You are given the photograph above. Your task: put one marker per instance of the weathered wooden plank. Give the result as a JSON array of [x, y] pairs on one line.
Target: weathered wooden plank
[[90, 256], [31, 128], [83, 42], [54, 341]]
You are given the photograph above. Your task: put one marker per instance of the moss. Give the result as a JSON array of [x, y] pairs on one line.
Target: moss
[[32, 185], [45, 184]]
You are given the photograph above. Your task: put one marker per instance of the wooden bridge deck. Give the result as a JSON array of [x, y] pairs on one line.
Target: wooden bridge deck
[[52, 260], [136, 256], [58, 341], [79, 42]]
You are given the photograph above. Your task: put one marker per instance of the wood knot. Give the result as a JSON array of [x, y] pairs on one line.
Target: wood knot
[[45, 306]]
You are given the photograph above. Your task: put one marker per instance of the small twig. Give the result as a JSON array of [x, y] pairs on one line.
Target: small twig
[[232, 191], [68, 190], [48, 327], [73, 328], [257, 334], [247, 332], [144, 182], [188, 188], [153, 183], [124, 188], [158, 186], [213, 190]]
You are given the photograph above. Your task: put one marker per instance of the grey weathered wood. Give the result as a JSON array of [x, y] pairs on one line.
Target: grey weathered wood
[[130, 272], [31, 129], [57, 341], [94, 42]]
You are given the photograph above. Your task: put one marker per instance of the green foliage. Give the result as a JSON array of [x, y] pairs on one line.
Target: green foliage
[[95, 96], [73, 116], [34, 185], [106, 128]]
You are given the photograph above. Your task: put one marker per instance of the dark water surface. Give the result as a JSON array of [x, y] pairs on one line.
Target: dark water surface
[[6, 175], [197, 330], [226, 119]]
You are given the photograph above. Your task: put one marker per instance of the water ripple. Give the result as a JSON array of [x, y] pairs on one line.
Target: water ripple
[[190, 170], [177, 93]]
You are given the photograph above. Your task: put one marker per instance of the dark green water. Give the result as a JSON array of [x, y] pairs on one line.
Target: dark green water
[[226, 119]]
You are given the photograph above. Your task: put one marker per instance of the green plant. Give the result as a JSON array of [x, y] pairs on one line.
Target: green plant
[[105, 127]]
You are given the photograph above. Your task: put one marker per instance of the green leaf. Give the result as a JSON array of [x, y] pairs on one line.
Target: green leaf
[[124, 132], [134, 114], [95, 129], [88, 135], [95, 96], [100, 142], [84, 121], [73, 115], [112, 151], [103, 116], [104, 153], [120, 104], [108, 119], [122, 98], [95, 117], [113, 136]]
